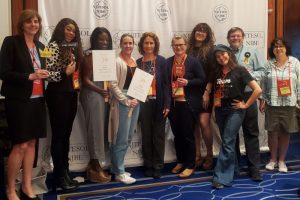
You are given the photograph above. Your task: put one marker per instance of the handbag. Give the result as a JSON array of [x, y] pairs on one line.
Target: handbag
[[38, 180]]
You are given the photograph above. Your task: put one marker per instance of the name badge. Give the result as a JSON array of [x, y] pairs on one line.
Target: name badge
[[75, 77], [284, 87], [46, 53]]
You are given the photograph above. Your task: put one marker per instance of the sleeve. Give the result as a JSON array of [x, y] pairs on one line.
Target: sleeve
[[297, 68], [166, 81], [246, 76], [258, 65], [7, 62], [114, 87], [199, 75], [56, 72]]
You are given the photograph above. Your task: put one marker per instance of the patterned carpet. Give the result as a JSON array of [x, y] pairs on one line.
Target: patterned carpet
[[274, 186]]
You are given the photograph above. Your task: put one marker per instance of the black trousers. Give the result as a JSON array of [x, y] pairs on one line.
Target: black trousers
[[251, 133], [62, 111], [182, 121], [153, 135]]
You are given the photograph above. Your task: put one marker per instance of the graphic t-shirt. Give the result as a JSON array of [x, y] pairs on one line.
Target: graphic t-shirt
[[231, 85]]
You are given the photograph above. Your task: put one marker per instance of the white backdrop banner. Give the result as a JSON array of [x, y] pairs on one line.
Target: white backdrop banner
[[164, 17]]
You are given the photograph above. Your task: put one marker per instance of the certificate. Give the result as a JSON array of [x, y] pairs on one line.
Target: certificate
[[140, 85], [104, 65]]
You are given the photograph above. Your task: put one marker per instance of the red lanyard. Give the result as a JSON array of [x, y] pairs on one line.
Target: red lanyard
[[283, 71], [34, 63], [178, 65]]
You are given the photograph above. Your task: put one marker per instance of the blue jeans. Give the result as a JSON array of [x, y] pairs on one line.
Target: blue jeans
[[126, 129], [229, 121]]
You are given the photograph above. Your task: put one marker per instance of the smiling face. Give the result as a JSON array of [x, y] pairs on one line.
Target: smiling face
[[148, 45], [179, 46], [70, 32], [127, 45], [102, 41], [31, 26], [279, 49], [236, 39], [200, 36], [222, 57]]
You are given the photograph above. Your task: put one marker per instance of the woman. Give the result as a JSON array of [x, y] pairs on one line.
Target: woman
[[23, 88], [95, 107], [123, 110], [154, 111], [61, 96], [201, 44], [281, 91], [229, 84], [187, 78]]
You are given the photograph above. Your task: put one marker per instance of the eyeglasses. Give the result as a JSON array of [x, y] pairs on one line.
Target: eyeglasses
[[178, 45], [278, 47]]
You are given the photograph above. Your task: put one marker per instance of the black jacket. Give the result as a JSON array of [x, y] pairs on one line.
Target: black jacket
[[195, 75], [15, 67]]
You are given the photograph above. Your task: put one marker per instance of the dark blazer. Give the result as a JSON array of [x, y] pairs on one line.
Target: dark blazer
[[195, 75], [15, 67], [163, 92]]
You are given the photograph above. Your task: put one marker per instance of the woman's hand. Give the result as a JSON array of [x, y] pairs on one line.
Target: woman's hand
[[262, 106], [39, 74], [133, 103], [166, 112], [182, 82], [104, 93], [71, 68], [205, 99], [237, 104]]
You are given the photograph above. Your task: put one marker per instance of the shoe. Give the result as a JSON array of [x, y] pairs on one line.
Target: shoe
[[97, 176], [69, 180], [208, 163], [148, 172], [198, 163], [156, 173], [178, 168], [282, 167], [24, 196], [124, 178], [127, 173], [186, 173], [64, 184], [217, 185], [271, 165], [256, 176]]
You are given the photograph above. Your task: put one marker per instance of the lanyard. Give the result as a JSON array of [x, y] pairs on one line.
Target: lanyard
[[178, 65], [283, 71], [34, 63], [154, 65]]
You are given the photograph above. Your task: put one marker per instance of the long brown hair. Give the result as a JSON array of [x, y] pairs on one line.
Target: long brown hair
[[206, 46]]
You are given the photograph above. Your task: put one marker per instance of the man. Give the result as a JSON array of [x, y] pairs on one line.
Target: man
[[254, 63]]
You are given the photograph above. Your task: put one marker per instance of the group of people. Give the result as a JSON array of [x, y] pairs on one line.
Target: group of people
[[199, 82]]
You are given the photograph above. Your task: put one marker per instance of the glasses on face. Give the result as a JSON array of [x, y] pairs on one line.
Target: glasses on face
[[178, 45], [235, 36], [278, 47]]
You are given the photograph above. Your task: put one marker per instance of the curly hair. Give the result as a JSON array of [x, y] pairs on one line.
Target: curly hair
[[156, 42], [94, 37], [279, 41], [206, 46]]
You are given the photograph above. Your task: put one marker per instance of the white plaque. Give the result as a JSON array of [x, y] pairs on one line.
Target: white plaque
[[104, 65], [140, 85]]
